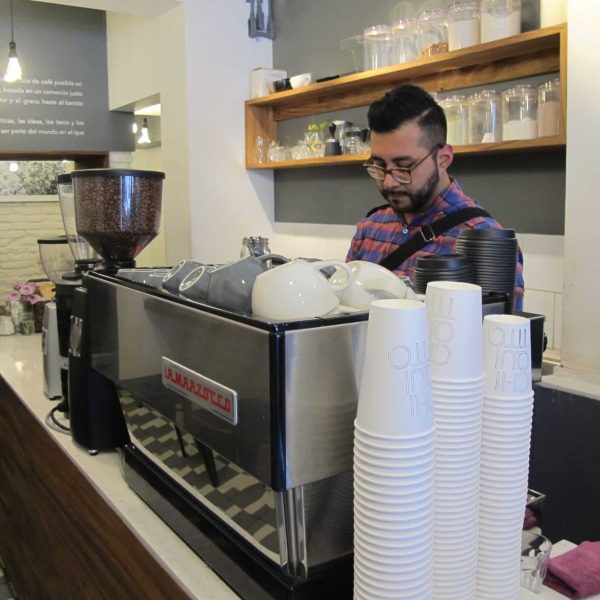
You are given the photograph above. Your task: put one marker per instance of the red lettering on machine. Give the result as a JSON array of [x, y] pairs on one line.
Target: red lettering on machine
[[201, 390]]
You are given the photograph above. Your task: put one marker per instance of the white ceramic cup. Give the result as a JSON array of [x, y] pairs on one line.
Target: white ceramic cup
[[368, 282], [297, 290]]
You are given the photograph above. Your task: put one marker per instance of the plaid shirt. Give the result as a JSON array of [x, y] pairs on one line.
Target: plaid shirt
[[380, 233]]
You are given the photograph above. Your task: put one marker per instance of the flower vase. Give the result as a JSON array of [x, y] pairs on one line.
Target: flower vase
[[22, 316]]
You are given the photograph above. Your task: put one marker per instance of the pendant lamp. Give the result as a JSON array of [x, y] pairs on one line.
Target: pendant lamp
[[13, 70]]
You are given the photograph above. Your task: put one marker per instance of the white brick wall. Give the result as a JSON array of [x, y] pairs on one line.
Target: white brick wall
[[21, 224]]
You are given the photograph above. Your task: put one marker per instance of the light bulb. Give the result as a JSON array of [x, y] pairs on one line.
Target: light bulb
[[13, 167], [145, 137], [13, 70], [134, 127]]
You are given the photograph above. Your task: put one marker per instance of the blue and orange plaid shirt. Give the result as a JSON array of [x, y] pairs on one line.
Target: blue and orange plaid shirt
[[380, 233]]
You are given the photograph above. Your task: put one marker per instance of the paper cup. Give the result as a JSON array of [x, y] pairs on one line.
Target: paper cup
[[454, 311], [507, 355], [395, 391]]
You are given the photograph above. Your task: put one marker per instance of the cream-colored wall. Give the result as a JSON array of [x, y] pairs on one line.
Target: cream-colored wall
[[147, 56], [226, 201], [153, 255], [581, 317]]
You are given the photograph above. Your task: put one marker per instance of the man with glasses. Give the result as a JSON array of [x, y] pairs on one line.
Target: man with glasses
[[409, 163]]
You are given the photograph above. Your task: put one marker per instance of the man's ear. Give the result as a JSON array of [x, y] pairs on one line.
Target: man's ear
[[445, 156]]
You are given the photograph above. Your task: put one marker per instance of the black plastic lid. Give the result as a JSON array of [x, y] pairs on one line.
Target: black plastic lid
[[487, 234], [117, 173], [442, 261], [63, 178], [62, 239]]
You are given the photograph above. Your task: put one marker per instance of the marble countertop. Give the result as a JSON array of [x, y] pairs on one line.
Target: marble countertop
[[21, 367]]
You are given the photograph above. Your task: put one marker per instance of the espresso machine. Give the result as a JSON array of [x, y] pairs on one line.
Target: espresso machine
[[236, 430]]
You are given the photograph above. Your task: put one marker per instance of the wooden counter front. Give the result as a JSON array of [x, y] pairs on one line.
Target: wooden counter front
[[70, 527]]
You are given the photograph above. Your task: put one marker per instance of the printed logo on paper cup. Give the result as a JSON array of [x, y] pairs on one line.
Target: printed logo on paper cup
[[441, 329], [413, 361], [511, 359]]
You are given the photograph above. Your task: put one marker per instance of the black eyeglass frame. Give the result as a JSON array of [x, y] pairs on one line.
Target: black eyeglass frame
[[380, 173]]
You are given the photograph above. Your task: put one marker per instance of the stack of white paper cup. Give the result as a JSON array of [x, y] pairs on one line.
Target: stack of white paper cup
[[394, 457], [507, 417], [455, 334]]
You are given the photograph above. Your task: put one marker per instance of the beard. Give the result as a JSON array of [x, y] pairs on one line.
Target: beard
[[403, 201]]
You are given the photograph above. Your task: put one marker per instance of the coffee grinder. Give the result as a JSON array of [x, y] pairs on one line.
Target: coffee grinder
[[118, 212], [80, 258], [56, 259]]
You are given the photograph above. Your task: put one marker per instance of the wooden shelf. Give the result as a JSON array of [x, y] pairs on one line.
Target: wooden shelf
[[533, 53], [538, 144]]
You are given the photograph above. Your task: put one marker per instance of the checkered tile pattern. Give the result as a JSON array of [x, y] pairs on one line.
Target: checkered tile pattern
[[246, 501]]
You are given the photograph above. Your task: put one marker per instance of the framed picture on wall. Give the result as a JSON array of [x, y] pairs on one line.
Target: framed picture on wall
[[31, 180]]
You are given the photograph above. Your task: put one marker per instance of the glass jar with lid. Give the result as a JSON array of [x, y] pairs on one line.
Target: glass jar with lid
[[463, 24], [405, 40], [549, 108], [377, 47], [433, 32], [519, 113], [485, 120], [456, 110], [500, 19]]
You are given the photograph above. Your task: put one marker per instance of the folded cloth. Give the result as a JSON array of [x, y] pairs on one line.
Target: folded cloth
[[576, 573]]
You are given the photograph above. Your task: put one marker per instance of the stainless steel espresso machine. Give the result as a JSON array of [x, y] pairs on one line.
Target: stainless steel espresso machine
[[237, 431]]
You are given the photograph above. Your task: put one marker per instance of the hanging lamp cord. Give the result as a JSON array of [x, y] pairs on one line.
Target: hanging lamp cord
[[12, 31]]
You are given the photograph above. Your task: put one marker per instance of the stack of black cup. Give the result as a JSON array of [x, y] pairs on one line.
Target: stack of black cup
[[493, 254], [448, 267]]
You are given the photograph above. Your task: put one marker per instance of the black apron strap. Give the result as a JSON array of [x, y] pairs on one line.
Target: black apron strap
[[428, 233]]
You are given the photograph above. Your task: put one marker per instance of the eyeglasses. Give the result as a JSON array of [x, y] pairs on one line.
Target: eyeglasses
[[400, 174]]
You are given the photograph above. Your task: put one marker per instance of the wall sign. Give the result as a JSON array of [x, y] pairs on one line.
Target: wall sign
[[61, 104]]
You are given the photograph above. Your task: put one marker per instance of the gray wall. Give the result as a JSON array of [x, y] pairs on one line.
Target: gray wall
[[524, 191], [62, 102]]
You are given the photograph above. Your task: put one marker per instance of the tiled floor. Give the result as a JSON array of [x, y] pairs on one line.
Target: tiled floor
[[6, 592]]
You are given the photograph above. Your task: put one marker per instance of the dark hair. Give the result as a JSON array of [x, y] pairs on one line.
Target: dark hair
[[406, 103]]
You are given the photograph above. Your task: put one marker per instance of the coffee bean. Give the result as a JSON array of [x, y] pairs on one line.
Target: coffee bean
[[117, 213]]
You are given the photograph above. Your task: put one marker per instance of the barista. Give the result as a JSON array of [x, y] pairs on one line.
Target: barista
[[409, 163]]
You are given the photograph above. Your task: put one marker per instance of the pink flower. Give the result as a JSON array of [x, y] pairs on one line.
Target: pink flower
[[14, 296], [17, 286], [28, 289]]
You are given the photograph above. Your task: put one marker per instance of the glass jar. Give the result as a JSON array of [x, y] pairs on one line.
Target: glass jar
[[485, 121], [549, 108], [405, 41], [463, 24], [519, 113], [377, 47], [455, 109], [432, 26], [500, 19]]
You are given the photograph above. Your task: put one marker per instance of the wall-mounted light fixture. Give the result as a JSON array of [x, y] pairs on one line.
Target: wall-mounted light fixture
[[145, 137], [13, 70]]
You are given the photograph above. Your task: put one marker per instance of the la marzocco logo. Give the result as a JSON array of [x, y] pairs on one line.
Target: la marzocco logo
[[202, 391]]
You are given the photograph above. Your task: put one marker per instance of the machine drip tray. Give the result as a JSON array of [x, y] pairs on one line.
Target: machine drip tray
[[236, 562]]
